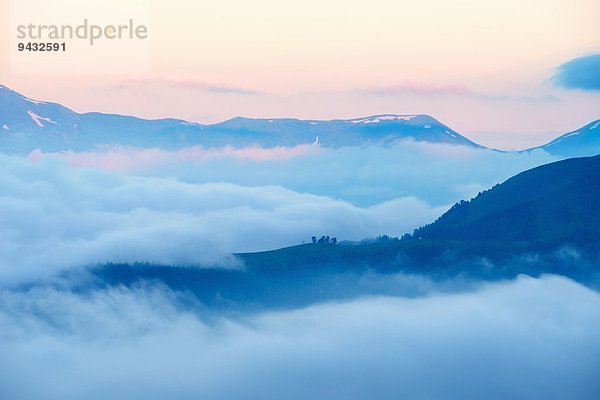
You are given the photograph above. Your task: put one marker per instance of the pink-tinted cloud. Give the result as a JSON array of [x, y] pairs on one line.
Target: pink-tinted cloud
[[425, 89], [186, 85], [419, 89], [126, 159]]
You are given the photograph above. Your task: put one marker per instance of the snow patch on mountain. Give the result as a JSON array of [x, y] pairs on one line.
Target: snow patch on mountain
[[33, 101], [560, 139], [450, 133], [37, 119], [374, 120], [595, 125]]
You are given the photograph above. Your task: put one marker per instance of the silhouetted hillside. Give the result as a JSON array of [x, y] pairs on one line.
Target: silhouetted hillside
[[553, 203], [545, 220]]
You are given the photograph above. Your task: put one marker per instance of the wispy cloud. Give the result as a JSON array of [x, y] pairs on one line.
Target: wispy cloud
[[580, 73], [128, 159], [429, 90], [423, 89], [186, 85]]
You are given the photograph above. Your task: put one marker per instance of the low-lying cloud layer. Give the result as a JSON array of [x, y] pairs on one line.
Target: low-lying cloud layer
[[195, 206], [436, 173], [55, 217], [530, 338], [526, 339]]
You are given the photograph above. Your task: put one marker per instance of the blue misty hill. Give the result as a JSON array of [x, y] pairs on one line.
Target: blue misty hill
[[553, 203], [27, 124], [545, 220], [584, 141]]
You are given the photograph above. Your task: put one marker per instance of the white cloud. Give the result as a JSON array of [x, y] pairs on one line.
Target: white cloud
[[436, 173], [527, 339], [55, 217], [195, 206]]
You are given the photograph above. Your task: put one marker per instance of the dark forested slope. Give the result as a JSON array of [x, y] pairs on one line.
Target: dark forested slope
[[552, 203]]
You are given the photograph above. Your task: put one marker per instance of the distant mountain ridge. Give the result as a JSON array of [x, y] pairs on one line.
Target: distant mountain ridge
[[28, 124], [584, 141]]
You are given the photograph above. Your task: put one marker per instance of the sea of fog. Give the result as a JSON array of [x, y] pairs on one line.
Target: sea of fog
[[521, 339]]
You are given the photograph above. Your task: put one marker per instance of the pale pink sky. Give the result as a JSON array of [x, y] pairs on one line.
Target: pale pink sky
[[482, 67]]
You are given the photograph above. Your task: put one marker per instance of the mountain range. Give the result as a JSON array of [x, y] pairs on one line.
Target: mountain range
[[585, 141], [27, 124]]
